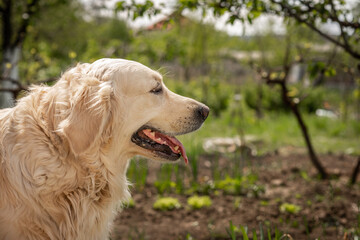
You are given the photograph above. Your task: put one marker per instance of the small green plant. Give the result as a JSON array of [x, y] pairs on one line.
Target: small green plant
[[129, 204], [237, 202], [137, 172], [189, 237], [164, 186], [305, 176], [166, 203], [230, 185], [290, 208], [136, 234], [234, 232], [197, 202], [240, 186], [319, 197], [295, 224]]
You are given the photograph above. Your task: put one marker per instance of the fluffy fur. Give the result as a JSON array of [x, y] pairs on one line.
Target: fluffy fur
[[64, 150]]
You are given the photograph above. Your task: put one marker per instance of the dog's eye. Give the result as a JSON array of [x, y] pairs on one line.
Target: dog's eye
[[157, 90]]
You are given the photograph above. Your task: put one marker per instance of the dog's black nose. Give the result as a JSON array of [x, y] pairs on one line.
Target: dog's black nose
[[203, 112]]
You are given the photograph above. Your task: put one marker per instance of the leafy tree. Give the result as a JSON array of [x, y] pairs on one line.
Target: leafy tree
[[40, 38], [16, 20], [308, 12]]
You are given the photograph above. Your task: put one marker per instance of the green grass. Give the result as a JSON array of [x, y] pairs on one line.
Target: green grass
[[277, 130], [269, 233]]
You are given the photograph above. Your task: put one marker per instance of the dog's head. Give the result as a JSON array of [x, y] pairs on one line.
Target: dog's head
[[127, 104]]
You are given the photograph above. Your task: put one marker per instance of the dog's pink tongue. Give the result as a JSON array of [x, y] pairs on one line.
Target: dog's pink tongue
[[181, 148], [174, 144]]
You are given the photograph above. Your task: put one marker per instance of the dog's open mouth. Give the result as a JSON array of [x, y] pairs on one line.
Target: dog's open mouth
[[164, 146]]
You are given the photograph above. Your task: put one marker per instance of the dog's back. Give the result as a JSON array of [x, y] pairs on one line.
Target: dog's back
[[44, 192], [19, 206]]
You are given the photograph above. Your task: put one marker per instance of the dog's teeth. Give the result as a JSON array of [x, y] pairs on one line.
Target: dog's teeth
[[176, 148], [152, 134]]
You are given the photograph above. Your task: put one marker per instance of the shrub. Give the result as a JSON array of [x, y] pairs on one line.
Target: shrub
[[209, 90]]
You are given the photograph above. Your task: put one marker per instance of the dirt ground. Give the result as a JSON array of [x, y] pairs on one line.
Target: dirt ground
[[329, 208]]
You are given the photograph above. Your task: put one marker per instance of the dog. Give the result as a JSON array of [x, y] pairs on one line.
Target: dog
[[65, 149]]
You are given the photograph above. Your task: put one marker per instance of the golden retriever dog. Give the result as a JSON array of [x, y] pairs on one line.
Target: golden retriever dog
[[64, 150]]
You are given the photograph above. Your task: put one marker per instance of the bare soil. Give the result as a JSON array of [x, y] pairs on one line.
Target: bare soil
[[329, 208]]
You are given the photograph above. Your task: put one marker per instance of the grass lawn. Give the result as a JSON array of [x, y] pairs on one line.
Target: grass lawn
[[275, 130]]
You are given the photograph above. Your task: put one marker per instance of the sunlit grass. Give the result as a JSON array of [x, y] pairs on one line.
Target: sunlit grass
[[277, 130]]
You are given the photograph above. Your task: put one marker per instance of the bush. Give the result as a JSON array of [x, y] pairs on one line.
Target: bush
[[271, 99], [211, 91]]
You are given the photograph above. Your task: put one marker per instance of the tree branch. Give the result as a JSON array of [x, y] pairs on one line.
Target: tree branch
[[12, 81], [26, 17], [331, 16], [355, 172], [6, 24], [336, 19], [288, 10], [293, 105], [19, 87], [14, 91]]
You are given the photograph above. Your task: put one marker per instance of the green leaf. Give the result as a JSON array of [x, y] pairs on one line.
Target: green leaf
[[249, 19], [244, 232], [120, 6], [330, 71], [232, 19], [254, 235]]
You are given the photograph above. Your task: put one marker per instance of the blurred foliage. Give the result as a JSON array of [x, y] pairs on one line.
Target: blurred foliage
[[129, 204], [197, 202], [244, 185], [308, 13], [289, 208], [166, 203], [198, 61], [195, 51], [210, 91]]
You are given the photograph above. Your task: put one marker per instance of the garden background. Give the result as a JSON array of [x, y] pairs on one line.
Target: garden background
[[278, 156]]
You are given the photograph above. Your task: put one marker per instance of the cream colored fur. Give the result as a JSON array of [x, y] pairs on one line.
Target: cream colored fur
[[64, 150]]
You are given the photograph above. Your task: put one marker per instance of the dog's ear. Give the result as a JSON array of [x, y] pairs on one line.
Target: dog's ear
[[90, 112]]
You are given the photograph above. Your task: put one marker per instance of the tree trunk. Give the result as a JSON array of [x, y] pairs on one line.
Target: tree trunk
[[9, 73], [294, 108], [355, 172], [313, 157]]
